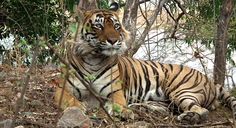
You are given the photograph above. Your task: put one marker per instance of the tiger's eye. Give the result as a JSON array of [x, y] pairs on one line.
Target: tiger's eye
[[98, 26], [117, 26]]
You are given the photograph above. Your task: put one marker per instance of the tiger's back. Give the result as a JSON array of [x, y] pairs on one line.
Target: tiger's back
[[149, 80]]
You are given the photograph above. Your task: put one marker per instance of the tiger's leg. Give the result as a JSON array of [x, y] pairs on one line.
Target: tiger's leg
[[192, 112], [119, 98], [119, 105]]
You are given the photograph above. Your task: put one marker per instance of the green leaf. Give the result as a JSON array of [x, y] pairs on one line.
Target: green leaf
[[90, 77], [116, 108]]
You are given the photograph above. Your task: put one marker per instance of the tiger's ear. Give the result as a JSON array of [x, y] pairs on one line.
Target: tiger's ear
[[114, 6], [82, 12]]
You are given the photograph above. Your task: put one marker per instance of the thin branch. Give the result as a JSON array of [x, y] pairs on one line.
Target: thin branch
[[148, 27], [180, 6], [169, 13], [24, 85], [143, 1], [144, 16], [176, 24], [64, 85]]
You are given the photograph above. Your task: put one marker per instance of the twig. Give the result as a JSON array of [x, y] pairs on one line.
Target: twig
[[168, 12], [143, 1], [143, 113], [176, 24], [180, 6], [24, 85], [144, 16], [64, 85]]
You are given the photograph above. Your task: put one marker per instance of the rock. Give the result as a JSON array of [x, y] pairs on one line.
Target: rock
[[74, 117]]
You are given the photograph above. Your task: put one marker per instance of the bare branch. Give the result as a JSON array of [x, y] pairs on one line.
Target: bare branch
[[143, 1], [176, 25], [144, 16], [148, 27], [169, 13], [24, 84], [180, 6]]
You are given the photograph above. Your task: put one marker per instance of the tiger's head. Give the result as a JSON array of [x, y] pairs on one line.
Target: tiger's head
[[103, 32]]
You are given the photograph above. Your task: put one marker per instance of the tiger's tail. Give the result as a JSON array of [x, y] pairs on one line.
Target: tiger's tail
[[226, 98]]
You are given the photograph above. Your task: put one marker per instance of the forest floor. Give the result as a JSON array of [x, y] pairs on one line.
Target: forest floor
[[39, 111]]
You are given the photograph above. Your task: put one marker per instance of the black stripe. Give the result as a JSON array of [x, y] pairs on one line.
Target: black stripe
[[77, 89], [187, 97], [105, 70], [140, 90], [77, 70], [165, 70], [146, 75], [148, 82], [86, 62], [156, 75], [109, 83], [134, 74], [171, 67], [184, 80], [227, 99], [233, 105], [176, 75], [190, 87], [181, 92], [109, 94], [210, 91], [74, 65], [191, 105]]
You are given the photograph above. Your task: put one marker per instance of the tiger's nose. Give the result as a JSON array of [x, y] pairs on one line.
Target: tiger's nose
[[112, 40]]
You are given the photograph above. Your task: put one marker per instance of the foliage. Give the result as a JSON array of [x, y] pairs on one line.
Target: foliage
[[103, 4], [204, 15], [31, 19]]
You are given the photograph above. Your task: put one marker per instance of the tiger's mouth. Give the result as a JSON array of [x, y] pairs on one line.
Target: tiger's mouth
[[110, 50]]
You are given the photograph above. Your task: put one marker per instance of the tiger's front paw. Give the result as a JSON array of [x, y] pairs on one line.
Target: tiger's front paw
[[119, 111], [127, 114]]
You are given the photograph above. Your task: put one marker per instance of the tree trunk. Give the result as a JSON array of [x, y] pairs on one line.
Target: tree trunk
[[221, 41], [129, 21], [87, 5]]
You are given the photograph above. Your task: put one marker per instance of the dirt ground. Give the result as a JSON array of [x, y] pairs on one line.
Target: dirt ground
[[39, 111]]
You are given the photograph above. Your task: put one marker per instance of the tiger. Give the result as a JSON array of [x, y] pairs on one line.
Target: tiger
[[97, 59]]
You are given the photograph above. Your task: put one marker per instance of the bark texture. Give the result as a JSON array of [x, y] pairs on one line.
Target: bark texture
[[221, 41]]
